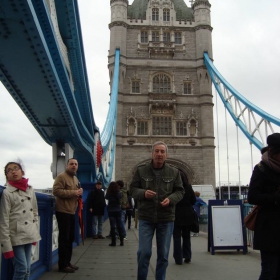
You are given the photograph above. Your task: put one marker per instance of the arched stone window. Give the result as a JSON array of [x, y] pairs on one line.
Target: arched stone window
[[161, 84], [166, 15], [155, 14]]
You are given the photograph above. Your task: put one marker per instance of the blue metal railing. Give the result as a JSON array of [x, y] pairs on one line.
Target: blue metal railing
[[47, 256]]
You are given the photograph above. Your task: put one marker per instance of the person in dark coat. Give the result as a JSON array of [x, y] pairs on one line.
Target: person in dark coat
[[129, 210], [183, 220], [113, 196], [97, 205], [264, 190]]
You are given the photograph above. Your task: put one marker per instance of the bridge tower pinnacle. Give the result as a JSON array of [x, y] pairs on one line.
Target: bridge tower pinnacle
[[202, 16], [118, 26]]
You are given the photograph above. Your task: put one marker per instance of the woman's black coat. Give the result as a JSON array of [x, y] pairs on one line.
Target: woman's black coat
[[184, 210], [263, 189]]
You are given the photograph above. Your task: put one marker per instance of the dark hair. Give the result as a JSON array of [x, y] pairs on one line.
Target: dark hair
[[113, 188], [120, 183], [11, 162], [272, 150]]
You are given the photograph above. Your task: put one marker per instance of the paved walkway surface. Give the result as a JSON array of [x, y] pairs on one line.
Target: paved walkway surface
[[99, 261]]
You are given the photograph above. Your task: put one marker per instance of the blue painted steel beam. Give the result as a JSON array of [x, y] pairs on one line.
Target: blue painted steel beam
[[33, 71], [221, 80], [108, 135], [112, 113]]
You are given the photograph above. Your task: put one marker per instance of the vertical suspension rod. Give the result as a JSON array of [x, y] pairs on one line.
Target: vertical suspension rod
[[227, 153]]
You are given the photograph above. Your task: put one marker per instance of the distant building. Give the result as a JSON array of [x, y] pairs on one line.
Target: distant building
[[165, 91]]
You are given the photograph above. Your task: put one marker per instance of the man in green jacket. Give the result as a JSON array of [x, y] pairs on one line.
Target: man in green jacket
[[157, 187]]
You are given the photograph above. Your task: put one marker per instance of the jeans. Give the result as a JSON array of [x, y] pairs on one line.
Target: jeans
[[123, 222], [66, 227], [116, 221], [21, 261], [270, 262], [182, 250], [163, 238], [97, 221], [128, 216]]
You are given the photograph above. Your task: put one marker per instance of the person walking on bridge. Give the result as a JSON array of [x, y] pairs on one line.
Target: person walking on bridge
[[67, 190], [96, 201], [183, 221], [157, 187], [113, 196], [264, 190]]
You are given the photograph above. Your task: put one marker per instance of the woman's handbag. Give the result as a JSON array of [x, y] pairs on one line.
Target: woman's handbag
[[195, 226], [250, 219]]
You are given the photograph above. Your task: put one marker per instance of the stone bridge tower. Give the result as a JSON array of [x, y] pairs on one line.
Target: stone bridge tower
[[165, 91]]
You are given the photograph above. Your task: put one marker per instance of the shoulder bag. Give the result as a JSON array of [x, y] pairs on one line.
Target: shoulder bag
[[251, 217]]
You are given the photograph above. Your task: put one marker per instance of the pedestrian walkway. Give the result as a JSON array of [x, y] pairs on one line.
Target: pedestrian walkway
[[99, 261]]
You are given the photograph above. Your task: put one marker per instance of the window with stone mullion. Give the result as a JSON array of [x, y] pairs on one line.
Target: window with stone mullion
[[135, 87], [155, 36], [142, 128], [155, 14], [187, 88], [162, 126], [144, 37], [181, 128], [166, 15], [178, 38], [161, 84], [166, 37]]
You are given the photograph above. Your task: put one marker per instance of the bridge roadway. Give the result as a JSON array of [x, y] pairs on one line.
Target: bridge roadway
[[99, 261]]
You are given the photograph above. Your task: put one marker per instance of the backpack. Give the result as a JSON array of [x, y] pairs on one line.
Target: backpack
[[123, 199], [1, 190]]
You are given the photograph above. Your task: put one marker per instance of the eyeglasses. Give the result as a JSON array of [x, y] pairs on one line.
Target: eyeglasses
[[10, 170]]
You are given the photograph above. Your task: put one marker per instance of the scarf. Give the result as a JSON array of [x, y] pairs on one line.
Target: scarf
[[271, 163], [21, 184]]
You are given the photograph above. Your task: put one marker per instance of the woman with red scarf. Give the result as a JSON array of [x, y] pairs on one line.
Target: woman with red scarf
[[264, 190], [19, 228]]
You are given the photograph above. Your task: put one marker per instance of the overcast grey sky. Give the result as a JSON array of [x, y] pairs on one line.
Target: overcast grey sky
[[246, 50]]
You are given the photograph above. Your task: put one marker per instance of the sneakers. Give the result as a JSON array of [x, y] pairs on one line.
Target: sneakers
[[125, 238], [187, 261], [100, 236], [95, 237]]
